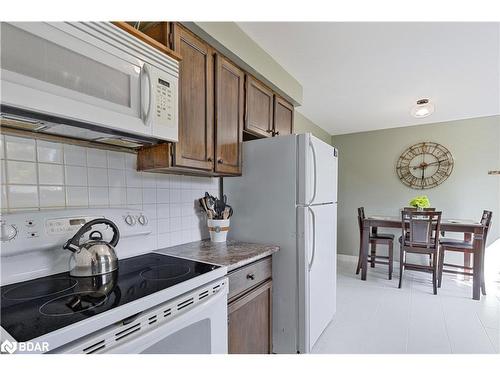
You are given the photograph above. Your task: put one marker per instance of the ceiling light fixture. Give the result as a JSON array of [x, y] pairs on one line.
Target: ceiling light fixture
[[423, 108]]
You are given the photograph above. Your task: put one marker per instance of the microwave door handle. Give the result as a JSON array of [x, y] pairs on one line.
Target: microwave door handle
[[146, 99]]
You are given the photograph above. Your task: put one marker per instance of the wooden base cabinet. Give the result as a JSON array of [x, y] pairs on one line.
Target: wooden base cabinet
[[250, 308], [249, 322]]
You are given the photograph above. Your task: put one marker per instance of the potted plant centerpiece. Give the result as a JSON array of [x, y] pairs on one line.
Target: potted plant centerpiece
[[420, 202]]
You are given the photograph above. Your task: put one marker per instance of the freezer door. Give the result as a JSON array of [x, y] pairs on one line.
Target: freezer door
[[317, 171], [319, 272]]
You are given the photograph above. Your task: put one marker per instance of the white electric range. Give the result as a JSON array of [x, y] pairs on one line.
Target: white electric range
[[154, 303]]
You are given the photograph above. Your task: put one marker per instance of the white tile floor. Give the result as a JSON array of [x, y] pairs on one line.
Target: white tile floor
[[374, 316]]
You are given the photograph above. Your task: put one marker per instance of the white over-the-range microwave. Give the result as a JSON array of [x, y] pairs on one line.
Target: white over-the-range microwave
[[87, 80]]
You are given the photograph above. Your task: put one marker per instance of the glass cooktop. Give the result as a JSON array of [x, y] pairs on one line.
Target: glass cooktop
[[34, 308]]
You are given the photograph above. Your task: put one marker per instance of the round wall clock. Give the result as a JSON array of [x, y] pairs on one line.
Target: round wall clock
[[424, 165]]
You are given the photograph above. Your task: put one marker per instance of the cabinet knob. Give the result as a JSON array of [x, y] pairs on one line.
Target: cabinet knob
[[209, 160], [220, 161], [251, 276], [270, 131]]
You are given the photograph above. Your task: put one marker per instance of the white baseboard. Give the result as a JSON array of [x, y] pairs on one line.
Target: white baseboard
[[347, 257]]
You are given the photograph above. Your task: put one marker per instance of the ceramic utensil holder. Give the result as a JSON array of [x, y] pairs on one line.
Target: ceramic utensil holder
[[218, 229]]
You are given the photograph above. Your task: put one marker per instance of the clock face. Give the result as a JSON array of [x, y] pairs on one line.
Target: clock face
[[424, 165]]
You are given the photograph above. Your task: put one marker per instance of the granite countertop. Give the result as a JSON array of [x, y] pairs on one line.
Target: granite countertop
[[232, 254]]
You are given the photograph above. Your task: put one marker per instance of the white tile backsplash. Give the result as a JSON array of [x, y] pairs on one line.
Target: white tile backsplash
[[50, 174], [117, 196], [77, 196], [22, 196], [96, 158], [97, 176], [52, 196], [20, 148], [98, 196], [75, 155], [21, 172], [116, 160], [2, 146], [43, 175], [3, 177], [3, 198], [49, 152], [134, 196], [116, 178], [75, 175]]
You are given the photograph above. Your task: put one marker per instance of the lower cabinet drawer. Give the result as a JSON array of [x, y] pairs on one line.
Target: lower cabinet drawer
[[249, 276]]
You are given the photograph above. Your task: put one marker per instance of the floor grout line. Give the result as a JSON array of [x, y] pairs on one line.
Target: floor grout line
[[445, 322], [485, 331]]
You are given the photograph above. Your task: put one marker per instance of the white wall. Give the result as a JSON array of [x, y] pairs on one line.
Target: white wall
[[367, 174], [39, 175]]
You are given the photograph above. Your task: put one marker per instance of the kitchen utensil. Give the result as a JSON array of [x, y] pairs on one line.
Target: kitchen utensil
[[96, 256]]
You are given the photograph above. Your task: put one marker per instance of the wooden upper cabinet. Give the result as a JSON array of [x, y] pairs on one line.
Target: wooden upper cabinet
[[157, 37], [283, 116], [258, 108], [195, 148], [229, 106], [159, 31]]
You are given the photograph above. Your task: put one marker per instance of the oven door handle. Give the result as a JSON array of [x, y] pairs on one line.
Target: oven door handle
[[214, 308]]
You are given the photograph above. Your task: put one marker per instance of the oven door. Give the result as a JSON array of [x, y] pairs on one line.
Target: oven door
[[201, 330]]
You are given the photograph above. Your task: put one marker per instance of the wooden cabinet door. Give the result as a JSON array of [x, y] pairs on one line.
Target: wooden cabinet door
[[250, 322], [195, 148], [229, 99], [283, 116], [259, 108]]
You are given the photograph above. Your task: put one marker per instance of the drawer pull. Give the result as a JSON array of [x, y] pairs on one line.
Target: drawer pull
[[251, 276]]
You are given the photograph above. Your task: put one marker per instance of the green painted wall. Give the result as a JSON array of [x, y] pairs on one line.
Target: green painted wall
[[303, 125], [367, 175]]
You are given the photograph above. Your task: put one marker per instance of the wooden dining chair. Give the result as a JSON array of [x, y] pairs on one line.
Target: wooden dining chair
[[414, 209], [375, 239], [420, 235], [465, 247]]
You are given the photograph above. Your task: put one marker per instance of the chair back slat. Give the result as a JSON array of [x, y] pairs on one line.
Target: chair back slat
[[420, 228], [361, 217], [486, 221]]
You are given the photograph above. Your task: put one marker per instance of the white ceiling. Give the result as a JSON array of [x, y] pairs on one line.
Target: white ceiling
[[366, 76]]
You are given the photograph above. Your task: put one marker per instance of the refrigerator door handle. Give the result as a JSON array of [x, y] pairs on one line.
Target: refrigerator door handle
[[311, 145], [313, 216]]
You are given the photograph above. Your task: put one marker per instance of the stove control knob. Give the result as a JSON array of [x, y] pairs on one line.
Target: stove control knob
[[143, 220], [9, 232], [130, 220]]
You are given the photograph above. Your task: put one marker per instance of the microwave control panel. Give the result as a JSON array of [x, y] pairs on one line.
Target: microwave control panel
[[164, 102]]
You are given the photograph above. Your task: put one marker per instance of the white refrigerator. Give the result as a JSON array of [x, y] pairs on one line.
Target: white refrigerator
[[287, 195]]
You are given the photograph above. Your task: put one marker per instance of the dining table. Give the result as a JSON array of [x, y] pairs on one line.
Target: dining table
[[471, 229]]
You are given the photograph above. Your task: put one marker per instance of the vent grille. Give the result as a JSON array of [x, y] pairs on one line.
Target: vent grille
[[94, 347], [145, 321]]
